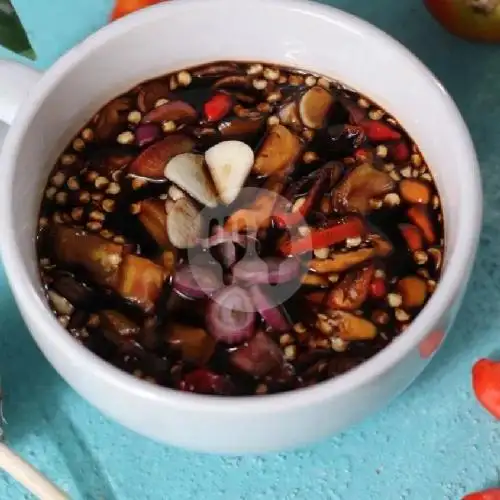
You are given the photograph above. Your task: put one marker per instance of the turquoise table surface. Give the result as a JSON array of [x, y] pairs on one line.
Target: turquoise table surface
[[434, 442]]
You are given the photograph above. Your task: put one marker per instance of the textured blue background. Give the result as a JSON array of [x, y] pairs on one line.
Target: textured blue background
[[434, 442]]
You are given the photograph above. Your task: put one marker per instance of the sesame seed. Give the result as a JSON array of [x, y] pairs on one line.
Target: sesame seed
[[392, 199], [420, 257], [255, 69], [406, 172], [135, 208], [96, 215], [173, 83], [94, 226], [290, 352], [353, 242], [87, 134], [184, 78], [77, 213], [376, 114], [68, 159], [113, 188], [273, 120], [108, 205], [323, 82], [61, 198], [73, 184], [322, 253], [271, 74], [58, 179], [394, 299], [381, 151], [126, 137], [259, 84], [78, 144], [299, 328], [310, 81], [161, 102], [363, 103], [401, 315], [168, 126], [309, 157], [101, 182], [338, 344], [138, 184]]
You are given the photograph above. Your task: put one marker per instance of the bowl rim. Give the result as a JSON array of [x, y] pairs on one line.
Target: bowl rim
[[450, 284]]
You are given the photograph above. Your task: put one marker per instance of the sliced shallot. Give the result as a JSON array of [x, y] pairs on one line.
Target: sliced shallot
[[271, 313], [231, 316], [196, 281], [271, 270]]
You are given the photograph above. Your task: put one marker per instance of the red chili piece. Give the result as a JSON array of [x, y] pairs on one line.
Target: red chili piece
[[378, 288], [486, 385], [217, 107], [491, 494], [378, 131], [400, 152]]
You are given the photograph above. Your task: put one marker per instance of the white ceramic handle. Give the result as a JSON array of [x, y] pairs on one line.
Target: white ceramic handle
[[16, 80]]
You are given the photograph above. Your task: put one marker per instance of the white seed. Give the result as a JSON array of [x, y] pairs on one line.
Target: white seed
[[168, 126], [64, 320], [363, 103], [78, 144], [309, 157], [298, 204], [134, 116], [431, 286], [286, 339], [161, 102], [274, 97], [108, 205], [379, 273], [68, 159], [401, 315], [416, 159], [427, 177], [96, 215], [322, 253], [113, 188], [77, 213], [381, 151], [60, 303], [101, 182], [119, 239], [338, 344], [135, 208], [43, 222], [376, 114], [324, 326], [376, 204], [394, 299], [87, 134], [394, 175], [57, 218], [138, 184], [173, 82], [94, 226], [415, 173], [126, 137], [45, 262], [323, 82], [420, 257], [175, 193], [435, 202], [58, 179], [299, 328], [255, 69], [392, 199], [273, 120], [259, 84], [333, 278], [73, 184], [290, 352], [229, 163], [184, 78], [389, 167], [61, 198], [392, 121], [310, 81], [271, 74], [406, 172], [308, 134], [353, 242], [92, 176]]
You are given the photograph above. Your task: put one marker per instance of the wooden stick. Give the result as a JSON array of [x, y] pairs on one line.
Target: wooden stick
[[28, 476]]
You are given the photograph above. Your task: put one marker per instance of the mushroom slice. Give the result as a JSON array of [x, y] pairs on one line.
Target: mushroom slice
[[229, 163], [279, 150], [188, 171]]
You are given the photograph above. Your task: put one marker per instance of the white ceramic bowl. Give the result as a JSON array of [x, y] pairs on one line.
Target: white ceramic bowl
[[183, 33]]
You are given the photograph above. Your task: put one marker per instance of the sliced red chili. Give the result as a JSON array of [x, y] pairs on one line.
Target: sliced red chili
[[378, 131], [491, 494], [412, 235], [351, 227], [486, 385], [419, 215], [217, 107]]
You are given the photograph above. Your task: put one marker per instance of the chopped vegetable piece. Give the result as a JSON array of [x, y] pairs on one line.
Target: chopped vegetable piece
[[229, 163], [177, 111], [399, 152], [100, 258], [196, 281], [486, 385], [378, 288], [341, 262], [414, 191], [151, 162], [187, 170], [378, 131], [217, 107], [147, 134], [259, 357], [272, 314], [140, 281], [195, 344], [419, 215], [352, 291], [413, 290], [363, 184], [314, 107], [412, 235], [154, 218], [349, 227], [271, 270], [231, 316], [183, 224], [117, 327], [310, 279], [278, 152], [351, 327]]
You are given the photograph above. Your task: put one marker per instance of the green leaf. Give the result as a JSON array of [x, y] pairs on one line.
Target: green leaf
[[12, 34]]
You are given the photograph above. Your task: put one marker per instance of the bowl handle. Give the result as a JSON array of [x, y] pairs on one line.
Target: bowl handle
[[16, 81]]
